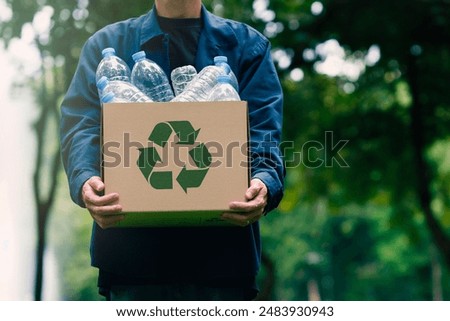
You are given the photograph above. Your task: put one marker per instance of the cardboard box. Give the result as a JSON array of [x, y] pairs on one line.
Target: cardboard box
[[175, 164]]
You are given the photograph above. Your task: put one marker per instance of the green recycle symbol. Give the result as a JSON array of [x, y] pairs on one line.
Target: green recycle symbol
[[199, 154]]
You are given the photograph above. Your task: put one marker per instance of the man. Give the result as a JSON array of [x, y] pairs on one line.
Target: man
[[177, 263]]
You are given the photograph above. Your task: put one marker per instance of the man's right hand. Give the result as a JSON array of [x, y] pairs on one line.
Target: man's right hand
[[104, 209]]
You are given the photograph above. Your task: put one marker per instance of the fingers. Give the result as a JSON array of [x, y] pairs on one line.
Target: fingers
[[96, 183], [106, 216], [252, 209], [91, 198], [252, 191], [254, 205], [91, 190], [256, 198], [104, 209], [256, 187]]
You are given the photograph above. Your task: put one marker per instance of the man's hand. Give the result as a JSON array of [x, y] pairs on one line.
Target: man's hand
[[252, 209], [104, 209]]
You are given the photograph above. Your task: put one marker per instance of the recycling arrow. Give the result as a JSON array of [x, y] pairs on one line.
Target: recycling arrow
[[190, 178], [148, 158], [161, 180], [199, 154], [186, 134]]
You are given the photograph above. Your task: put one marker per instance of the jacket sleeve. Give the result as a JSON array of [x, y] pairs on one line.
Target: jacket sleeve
[[261, 88], [80, 124]]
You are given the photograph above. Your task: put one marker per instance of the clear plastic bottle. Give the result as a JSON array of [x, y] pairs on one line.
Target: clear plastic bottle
[[224, 90], [112, 67], [200, 87], [150, 78], [222, 61], [181, 77], [123, 91]]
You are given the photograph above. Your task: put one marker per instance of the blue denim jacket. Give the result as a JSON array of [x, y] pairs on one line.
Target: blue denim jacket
[[249, 57]]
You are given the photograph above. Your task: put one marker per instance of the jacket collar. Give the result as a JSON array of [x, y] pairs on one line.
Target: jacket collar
[[217, 30], [216, 37], [150, 27]]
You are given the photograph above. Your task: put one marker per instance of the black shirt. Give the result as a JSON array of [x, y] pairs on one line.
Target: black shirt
[[183, 39]]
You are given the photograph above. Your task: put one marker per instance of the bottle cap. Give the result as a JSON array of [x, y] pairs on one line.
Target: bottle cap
[[108, 52], [102, 82], [107, 98], [218, 59], [138, 56]]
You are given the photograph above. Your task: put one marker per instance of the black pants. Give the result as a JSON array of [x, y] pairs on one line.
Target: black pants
[[179, 292]]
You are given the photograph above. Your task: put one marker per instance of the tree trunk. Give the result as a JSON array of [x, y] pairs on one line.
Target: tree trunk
[[49, 112], [42, 218], [313, 290], [43, 211], [267, 289], [436, 275], [423, 174]]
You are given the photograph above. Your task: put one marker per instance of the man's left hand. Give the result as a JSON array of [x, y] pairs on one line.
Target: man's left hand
[[250, 210]]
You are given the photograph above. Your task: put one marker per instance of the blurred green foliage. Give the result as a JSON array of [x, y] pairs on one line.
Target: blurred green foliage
[[351, 225]]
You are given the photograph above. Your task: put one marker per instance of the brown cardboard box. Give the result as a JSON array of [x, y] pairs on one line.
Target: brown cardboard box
[[175, 164]]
